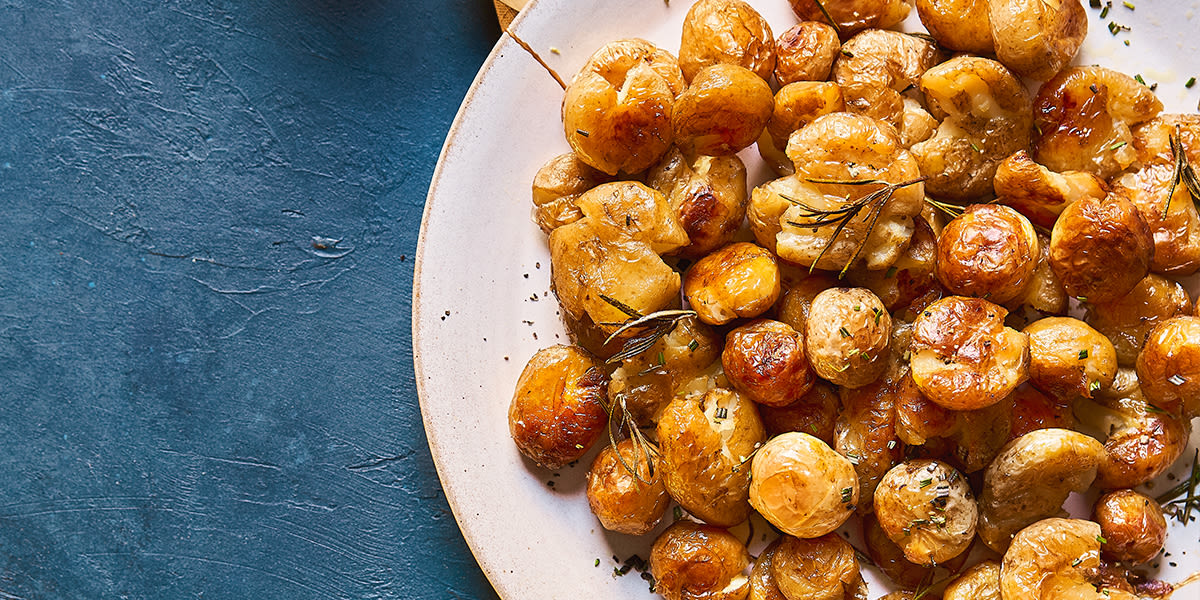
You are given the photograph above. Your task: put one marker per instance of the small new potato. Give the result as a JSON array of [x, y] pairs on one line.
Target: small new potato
[[865, 430], [806, 52], [1045, 292], [1055, 559], [557, 411], [889, 557], [926, 507], [690, 561], [876, 66], [724, 110], [802, 486], [989, 251], [1142, 442], [762, 580], [798, 104], [740, 280], [796, 303], [1169, 366], [820, 568], [1039, 193], [1036, 38], [1132, 525], [1100, 249], [1068, 358], [1127, 321], [980, 582], [765, 360], [726, 32], [815, 413], [963, 357], [688, 351], [556, 187], [622, 502], [846, 336], [708, 194], [852, 16], [961, 25]]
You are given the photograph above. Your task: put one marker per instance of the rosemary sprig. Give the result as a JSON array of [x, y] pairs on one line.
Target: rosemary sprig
[[1183, 498], [1183, 172], [842, 216], [828, 17], [952, 210], [642, 447]]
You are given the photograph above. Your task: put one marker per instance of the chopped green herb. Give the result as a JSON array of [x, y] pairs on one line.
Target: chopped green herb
[[721, 413], [678, 513], [1117, 146], [1126, 42], [847, 53], [843, 332], [891, 272], [692, 345], [847, 495], [1094, 3], [597, 563], [1093, 386], [976, 148], [1115, 28], [891, 444], [661, 359], [1127, 4], [1075, 563], [1101, 539], [857, 307], [1150, 408], [827, 17], [1104, 13], [878, 313], [1190, 83], [1083, 354], [1138, 78], [582, 132], [926, 483]]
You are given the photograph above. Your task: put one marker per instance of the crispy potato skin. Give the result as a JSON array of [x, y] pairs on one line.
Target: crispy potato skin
[[726, 32], [980, 582], [708, 193], [617, 109], [1126, 321], [820, 568], [738, 280], [688, 351], [961, 25], [1034, 38], [1169, 366], [1053, 558], [1142, 443], [889, 557], [815, 413], [1039, 193], [765, 360], [989, 251], [802, 486], [798, 104], [875, 66], [691, 561], [865, 430], [805, 52], [705, 441], [1034, 410], [556, 187], [762, 580], [796, 302], [624, 503], [557, 411], [1100, 249], [724, 110], [852, 16], [926, 507], [1067, 358], [914, 273], [1045, 292], [1132, 525], [846, 336]]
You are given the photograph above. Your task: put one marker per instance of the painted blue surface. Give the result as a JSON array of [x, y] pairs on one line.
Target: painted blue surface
[[208, 212]]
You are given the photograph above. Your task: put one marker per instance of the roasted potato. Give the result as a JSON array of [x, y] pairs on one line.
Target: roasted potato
[[556, 187], [989, 251], [1068, 358], [724, 110], [802, 486], [1039, 193], [705, 442], [865, 431], [1036, 38], [1100, 249], [622, 501], [1053, 559], [851, 16], [558, 410], [765, 360], [769, 201], [876, 66], [1132, 525], [797, 104], [1168, 366], [708, 193], [690, 561], [910, 277], [889, 557], [926, 507], [740, 280], [1045, 292], [846, 336], [919, 419], [1031, 410], [815, 413], [961, 25], [963, 357], [1126, 321], [642, 386], [820, 568], [617, 109], [727, 32], [979, 435], [980, 582], [805, 52], [796, 302], [916, 124], [1030, 480]]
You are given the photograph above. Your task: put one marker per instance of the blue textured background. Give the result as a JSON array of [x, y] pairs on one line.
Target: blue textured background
[[209, 210]]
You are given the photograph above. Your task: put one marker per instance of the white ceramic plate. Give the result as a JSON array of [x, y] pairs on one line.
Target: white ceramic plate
[[481, 305]]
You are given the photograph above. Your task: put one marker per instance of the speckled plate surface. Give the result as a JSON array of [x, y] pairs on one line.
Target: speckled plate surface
[[481, 296]]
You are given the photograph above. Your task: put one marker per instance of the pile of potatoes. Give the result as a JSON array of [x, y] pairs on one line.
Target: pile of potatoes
[[916, 367]]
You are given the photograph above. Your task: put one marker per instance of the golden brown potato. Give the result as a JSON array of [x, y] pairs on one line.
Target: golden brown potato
[[1169, 366], [622, 502], [985, 115], [1034, 410], [919, 419], [708, 194], [796, 303], [802, 486], [814, 413], [911, 276], [1126, 321], [740, 280], [705, 442], [889, 557], [1084, 130], [769, 201], [797, 104], [989, 251], [916, 124], [865, 431], [762, 581], [963, 357], [690, 561], [643, 386], [617, 109], [1132, 525], [979, 435], [926, 507], [1035, 38], [724, 110], [1055, 559], [821, 568], [961, 25], [557, 411], [1045, 292], [1030, 480], [876, 66], [1100, 249], [980, 582], [1039, 193], [726, 32], [1068, 358], [765, 360], [851, 16], [805, 52], [557, 185], [846, 336]]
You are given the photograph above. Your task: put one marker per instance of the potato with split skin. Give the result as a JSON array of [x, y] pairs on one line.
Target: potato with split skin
[[927, 508], [865, 431], [1100, 249], [1068, 358], [806, 52], [623, 502], [916, 124], [1126, 321], [989, 251], [705, 442], [736, 281], [1044, 292], [617, 109], [765, 360], [1132, 525], [1036, 38], [726, 32], [708, 193], [558, 410], [820, 568], [814, 413], [1056, 559], [961, 25], [889, 557], [911, 276], [802, 486], [724, 110], [690, 561], [875, 67], [642, 386], [980, 582], [963, 357], [556, 187], [1039, 193], [852, 16], [846, 336], [1169, 366]]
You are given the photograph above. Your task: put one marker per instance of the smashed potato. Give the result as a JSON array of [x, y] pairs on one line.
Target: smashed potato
[[1100, 249], [1168, 366], [1126, 321], [1132, 525], [690, 561], [876, 66], [726, 32], [556, 187], [820, 568], [846, 336], [926, 507], [1068, 358], [738, 280], [805, 52], [708, 194], [1141, 443], [557, 411], [1054, 559], [1039, 193]]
